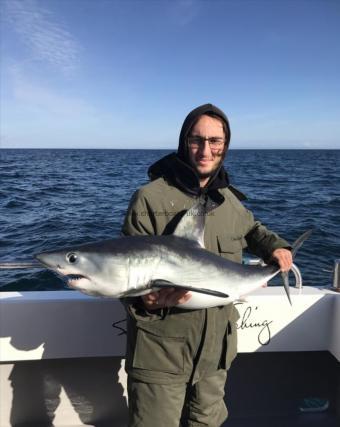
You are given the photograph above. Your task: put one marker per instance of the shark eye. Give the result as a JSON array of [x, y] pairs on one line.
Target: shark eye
[[71, 257]]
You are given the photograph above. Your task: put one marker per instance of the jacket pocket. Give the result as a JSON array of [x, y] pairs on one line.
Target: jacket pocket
[[230, 247], [231, 244], [231, 343], [158, 353]]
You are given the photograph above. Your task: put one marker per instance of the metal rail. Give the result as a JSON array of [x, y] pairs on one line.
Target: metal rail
[[253, 261], [295, 270], [22, 264], [336, 276], [36, 264]]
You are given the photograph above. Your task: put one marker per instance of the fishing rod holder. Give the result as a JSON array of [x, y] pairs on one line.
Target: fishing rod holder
[[336, 276], [294, 269]]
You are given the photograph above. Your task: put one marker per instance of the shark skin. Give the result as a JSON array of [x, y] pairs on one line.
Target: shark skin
[[137, 265]]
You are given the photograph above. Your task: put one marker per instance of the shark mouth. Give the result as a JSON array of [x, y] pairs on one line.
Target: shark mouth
[[73, 280], [75, 277]]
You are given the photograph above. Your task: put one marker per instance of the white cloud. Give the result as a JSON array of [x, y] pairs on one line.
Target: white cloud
[[183, 12], [46, 39], [30, 95]]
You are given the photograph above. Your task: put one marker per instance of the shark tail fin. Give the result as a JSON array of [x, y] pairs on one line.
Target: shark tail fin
[[285, 279], [299, 241], [295, 247]]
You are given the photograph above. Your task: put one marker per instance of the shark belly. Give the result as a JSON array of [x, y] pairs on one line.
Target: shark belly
[[210, 272]]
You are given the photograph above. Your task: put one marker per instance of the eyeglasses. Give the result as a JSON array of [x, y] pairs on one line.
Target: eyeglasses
[[215, 142]]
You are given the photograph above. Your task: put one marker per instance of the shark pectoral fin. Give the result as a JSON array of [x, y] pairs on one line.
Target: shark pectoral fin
[[285, 279], [159, 283]]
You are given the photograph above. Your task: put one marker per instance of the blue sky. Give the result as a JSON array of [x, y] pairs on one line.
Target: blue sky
[[124, 74]]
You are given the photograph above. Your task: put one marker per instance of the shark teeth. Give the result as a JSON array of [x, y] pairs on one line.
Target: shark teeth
[[75, 277]]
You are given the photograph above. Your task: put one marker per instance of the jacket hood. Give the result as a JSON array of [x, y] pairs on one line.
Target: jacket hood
[[183, 176], [191, 119], [176, 169]]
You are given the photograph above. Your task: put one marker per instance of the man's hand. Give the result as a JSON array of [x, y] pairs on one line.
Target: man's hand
[[165, 298], [284, 258]]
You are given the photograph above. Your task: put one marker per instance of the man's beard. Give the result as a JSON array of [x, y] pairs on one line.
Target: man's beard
[[207, 174], [213, 171]]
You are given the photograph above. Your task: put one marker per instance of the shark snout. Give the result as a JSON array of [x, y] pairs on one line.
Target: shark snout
[[49, 260], [41, 258]]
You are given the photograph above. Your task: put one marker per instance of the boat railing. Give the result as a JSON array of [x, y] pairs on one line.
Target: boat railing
[[294, 269], [250, 261], [336, 276]]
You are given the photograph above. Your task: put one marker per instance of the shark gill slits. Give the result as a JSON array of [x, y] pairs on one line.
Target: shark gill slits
[[71, 257]]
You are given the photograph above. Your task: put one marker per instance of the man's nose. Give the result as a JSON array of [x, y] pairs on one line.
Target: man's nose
[[205, 148]]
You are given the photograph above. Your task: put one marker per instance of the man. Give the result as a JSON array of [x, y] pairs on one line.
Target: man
[[177, 359]]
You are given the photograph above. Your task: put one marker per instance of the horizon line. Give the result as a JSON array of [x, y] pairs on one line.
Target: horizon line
[[161, 149]]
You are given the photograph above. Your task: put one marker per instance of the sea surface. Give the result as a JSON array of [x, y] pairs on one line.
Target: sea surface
[[53, 198]]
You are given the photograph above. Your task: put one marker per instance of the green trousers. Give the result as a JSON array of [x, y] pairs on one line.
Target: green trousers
[[200, 404], [177, 366]]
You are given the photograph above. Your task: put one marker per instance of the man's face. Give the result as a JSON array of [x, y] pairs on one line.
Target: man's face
[[205, 157]]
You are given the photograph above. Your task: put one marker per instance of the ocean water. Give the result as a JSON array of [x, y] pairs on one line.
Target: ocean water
[[52, 198]]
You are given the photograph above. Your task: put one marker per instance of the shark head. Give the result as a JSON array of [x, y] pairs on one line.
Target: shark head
[[90, 268]]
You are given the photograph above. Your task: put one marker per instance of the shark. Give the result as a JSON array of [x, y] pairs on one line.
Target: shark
[[131, 266]]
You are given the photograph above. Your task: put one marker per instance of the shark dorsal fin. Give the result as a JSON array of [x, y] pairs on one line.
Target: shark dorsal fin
[[191, 226]]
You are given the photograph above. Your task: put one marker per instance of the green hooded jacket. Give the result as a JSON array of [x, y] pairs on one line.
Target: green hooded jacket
[[172, 344]]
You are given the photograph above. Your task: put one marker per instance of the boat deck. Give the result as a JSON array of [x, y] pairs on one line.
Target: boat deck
[[267, 389], [310, 420]]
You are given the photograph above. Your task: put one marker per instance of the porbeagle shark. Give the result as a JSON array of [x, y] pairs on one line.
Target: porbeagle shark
[[136, 265]]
